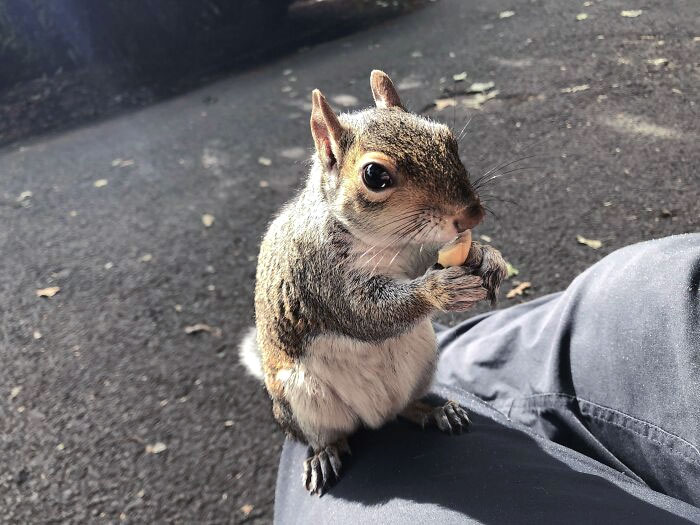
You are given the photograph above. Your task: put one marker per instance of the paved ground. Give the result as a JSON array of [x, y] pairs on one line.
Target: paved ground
[[101, 376]]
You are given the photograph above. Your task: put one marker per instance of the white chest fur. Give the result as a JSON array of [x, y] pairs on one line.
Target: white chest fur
[[341, 383]]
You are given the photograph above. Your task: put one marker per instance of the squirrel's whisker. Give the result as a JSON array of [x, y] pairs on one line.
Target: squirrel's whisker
[[463, 133], [494, 169], [503, 174]]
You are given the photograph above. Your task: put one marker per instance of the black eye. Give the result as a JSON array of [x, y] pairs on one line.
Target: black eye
[[376, 177]]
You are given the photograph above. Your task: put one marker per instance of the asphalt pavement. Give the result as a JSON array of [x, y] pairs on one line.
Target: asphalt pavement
[[111, 411]]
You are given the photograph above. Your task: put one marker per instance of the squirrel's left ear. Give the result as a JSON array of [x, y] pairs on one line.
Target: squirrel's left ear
[[383, 90]]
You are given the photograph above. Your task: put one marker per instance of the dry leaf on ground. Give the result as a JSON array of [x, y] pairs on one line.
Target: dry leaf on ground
[[207, 220], [15, 392], [581, 16], [575, 89], [264, 161], [658, 62], [631, 13], [48, 292], [203, 327], [100, 183], [512, 270], [591, 243], [443, 103], [459, 77], [156, 448], [480, 87], [476, 101], [518, 290], [247, 509], [122, 163], [506, 14]]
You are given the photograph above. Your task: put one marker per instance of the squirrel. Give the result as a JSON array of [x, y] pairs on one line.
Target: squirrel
[[346, 280]]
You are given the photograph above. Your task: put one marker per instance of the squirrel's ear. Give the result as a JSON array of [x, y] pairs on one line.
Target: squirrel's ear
[[326, 130], [383, 90]]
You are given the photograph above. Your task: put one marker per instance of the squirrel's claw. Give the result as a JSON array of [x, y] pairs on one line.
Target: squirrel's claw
[[323, 467], [451, 418], [488, 263]]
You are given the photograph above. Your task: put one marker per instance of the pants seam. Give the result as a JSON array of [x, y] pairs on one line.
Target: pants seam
[[580, 401]]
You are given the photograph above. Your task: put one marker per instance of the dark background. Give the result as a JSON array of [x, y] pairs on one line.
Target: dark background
[[97, 375]]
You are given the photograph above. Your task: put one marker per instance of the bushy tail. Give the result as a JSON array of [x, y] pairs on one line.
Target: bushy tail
[[249, 354]]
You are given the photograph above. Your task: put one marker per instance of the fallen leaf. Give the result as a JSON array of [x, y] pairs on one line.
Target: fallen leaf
[[657, 62], [15, 392], [48, 292], [146, 257], [178, 308], [156, 448], [591, 243], [24, 196], [264, 161], [631, 13], [512, 270], [207, 220], [37, 334], [73, 213], [60, 447], [443, 103], [506, 14], [576, 89], [480, 87], [581, 16], [247, 509], [460, 77], [518, 290], [228, 423], [122, 163], [263, 184], [476, 101], [100, 183], [202, 327], [345, 100], [485, 238]]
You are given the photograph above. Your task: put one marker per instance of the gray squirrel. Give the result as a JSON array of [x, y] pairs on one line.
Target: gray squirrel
[[346, 279]]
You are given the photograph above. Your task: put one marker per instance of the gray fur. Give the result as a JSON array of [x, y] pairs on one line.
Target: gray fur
[[342, 300]]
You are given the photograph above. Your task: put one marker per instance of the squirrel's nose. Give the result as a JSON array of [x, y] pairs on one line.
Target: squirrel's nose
[[468, 218]]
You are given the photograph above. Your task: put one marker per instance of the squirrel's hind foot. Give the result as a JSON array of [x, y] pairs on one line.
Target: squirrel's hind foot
[[450, 417], [324, 466]]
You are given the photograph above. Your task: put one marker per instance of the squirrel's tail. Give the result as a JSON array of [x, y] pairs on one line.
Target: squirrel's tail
[[249, 353]]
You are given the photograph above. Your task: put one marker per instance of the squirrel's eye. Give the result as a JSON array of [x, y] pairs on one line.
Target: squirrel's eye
[[376, 177]]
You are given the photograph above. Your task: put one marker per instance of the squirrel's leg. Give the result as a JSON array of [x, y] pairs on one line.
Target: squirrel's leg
[[323, 465], [450, 417]]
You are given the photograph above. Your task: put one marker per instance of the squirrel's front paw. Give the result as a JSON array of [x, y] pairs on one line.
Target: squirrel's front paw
[[454, 289], [488, 263]]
